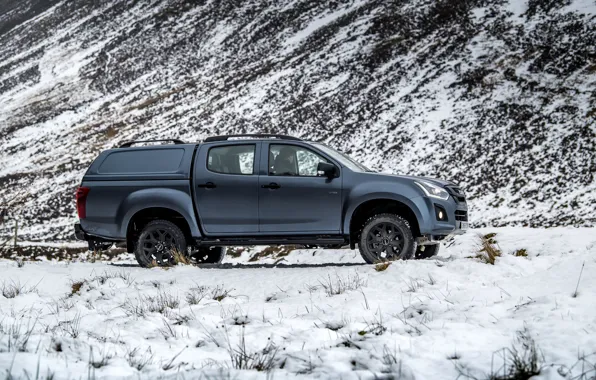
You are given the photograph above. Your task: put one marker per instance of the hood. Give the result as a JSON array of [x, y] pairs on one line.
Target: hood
[[436, 181]]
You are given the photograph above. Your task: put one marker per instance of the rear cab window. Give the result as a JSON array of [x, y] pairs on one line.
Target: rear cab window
[[142, 161]]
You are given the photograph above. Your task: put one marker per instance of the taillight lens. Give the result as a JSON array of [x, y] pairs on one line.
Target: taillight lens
[[81, 196]]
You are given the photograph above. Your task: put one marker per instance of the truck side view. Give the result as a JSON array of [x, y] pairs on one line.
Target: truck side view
[[259, 190]]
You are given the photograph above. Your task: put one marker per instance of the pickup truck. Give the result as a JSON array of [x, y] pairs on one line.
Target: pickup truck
[[241, 190]]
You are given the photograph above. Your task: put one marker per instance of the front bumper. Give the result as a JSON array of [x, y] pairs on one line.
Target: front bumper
[[456, 222]]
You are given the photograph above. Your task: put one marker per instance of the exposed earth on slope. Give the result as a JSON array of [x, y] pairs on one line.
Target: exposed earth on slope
[[498, 96]]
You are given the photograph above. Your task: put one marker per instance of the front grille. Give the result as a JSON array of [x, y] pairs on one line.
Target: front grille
[[457, 193], [461, 215]]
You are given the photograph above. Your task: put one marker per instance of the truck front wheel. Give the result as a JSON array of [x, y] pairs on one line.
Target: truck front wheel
[[157, 243], [386, 237]]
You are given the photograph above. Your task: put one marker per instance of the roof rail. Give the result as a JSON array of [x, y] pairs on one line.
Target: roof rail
[[128, 144], [256, 136]]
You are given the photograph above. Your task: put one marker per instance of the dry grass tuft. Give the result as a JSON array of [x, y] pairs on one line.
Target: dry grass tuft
[[490, 237], [111, 132], [235, 252], [76, 287], [489, 250], [219, 293], [521, 253], [275, 252], [382, 266], [180, 257]]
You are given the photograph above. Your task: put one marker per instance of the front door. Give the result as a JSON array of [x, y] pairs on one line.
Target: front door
[[226, 188], [293, 197]]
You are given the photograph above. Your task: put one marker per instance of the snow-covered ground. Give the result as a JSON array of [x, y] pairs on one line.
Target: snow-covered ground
[[417, 319]]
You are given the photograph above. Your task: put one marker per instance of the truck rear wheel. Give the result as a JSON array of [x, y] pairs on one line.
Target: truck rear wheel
[[386, 237], [209, 255], [158, 242]]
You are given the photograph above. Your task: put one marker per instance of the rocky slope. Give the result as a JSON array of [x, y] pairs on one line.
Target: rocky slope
[[497, 95]]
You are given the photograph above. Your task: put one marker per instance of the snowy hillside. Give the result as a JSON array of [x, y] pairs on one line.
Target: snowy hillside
[[496, 95], [333, 318]]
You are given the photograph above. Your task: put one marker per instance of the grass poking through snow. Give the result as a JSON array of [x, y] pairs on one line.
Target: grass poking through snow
[[13, 289], [340, 285], [521, 361], [161, 303], [264, 360], [219, 293], [195, 295]]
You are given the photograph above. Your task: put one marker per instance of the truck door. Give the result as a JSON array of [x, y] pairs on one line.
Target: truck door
[[293, 197], [226, 187]]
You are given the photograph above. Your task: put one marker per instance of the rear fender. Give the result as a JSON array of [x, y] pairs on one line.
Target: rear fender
[[175, 200]]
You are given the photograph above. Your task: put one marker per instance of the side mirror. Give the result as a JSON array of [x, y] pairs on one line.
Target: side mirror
[[328, 170]]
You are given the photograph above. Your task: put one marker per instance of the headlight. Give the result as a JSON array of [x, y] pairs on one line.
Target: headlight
[[432, 190]]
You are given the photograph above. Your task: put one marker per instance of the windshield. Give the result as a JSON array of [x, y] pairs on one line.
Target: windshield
[[343, 159]]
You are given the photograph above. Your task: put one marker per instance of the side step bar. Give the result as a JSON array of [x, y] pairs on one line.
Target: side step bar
[[273, 240]]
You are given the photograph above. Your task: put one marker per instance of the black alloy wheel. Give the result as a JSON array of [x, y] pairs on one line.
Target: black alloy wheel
[[158, 242], [386, 237]]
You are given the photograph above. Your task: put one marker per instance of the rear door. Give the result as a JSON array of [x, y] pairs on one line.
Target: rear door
[[293, 197], [226, 187]]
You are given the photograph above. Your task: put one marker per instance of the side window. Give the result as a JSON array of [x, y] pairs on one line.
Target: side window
[[293, 160], [141, 161], [232, 159]]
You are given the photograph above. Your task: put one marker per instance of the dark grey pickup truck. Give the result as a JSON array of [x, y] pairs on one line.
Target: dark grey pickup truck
[[261, 189]]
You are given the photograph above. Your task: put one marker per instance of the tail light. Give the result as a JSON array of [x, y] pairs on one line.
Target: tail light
[[81, 197]]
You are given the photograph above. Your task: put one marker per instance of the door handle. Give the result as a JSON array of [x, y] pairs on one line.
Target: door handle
[[208, 185], [272, 186]]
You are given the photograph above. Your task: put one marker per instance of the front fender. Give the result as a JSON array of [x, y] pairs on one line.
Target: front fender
[[355, 202], [175, 200]]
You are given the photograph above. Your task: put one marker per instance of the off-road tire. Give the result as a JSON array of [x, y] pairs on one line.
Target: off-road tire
[[209, 255], [426, 251], [401, 228], [159, 231]]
